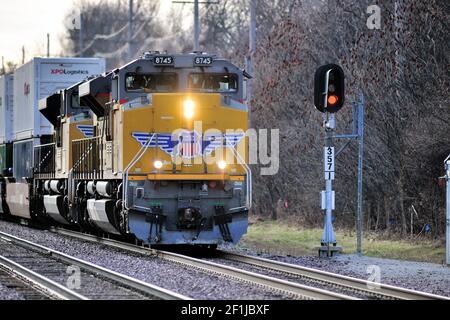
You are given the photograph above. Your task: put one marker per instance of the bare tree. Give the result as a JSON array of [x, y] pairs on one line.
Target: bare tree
[[402, 69], [105, 26]]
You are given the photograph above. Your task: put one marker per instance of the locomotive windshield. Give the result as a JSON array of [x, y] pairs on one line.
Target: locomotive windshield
[[213, 82], [151, 82]]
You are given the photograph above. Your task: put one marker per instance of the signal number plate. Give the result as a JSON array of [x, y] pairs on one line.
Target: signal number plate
[[203, 61], [163, 61], [329, 163]]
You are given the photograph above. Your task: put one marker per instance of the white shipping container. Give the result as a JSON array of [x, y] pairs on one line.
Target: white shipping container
[[40, 78], [6, 108]]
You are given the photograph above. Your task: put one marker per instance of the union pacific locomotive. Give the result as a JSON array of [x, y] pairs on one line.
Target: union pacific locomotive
[[156, 150]]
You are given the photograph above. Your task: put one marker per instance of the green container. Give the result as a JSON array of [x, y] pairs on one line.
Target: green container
[[5, 156]]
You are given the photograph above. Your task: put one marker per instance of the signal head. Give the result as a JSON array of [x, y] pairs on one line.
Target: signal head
[[329, 88]]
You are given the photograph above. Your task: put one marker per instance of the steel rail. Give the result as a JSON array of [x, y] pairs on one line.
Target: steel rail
[[288, 287], [369, 287], [38, 281], [333, 278], [122, 279]]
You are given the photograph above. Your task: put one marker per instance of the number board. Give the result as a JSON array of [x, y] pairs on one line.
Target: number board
[[329, 163], [163, 60], [203, 61]]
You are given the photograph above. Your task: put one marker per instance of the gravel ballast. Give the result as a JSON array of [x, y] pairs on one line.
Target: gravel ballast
[[94, 287], [181, 279], [7, 293]]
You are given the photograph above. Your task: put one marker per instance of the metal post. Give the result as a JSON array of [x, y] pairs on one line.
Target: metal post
[[249, 60], [81, 45], [328, 234], [447, 237], [196, 27], [196, 20], [359, 211], [328, 242], [130, 29]]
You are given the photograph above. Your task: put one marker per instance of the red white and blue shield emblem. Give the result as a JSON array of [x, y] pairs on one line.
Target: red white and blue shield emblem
[[189, 144], [190, 149]]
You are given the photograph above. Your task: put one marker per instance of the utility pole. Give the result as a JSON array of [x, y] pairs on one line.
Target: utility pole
[[249, 59], [196, 27], [48, 45], [447, 232], [23, 54], [81, 45], [196, 46], [3, 65], [359, 209], [130, 29]]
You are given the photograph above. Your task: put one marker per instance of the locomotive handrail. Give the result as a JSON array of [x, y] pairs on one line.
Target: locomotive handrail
[[85, 139], [43, 145], [133, 161], [248, 178], [144, 148], [81, 158], [86, 152], [42, 153]]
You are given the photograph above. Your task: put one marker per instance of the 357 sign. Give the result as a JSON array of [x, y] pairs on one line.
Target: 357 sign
[[328, 163]]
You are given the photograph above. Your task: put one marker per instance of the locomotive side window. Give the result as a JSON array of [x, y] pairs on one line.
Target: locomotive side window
[[75, 101], [213, 82], [151, 82]]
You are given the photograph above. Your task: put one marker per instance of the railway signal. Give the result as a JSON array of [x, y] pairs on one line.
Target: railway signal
[[329, 88], [328, 99]]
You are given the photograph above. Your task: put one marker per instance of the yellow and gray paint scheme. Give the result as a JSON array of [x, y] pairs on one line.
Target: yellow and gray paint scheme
[[53, 161], [167, 162]]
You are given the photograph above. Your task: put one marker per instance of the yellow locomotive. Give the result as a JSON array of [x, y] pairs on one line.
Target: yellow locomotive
[[156, 149]]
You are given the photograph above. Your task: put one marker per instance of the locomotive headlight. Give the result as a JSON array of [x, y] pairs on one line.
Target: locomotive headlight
[[158, 164], [222, 164], [188, 107]]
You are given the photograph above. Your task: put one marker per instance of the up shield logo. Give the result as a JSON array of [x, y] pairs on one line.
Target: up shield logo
[[87, 130], [188, 144]]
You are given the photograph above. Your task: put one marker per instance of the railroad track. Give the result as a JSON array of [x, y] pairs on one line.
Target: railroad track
[[34, 281], [288, 288], [353, 287], [47, 269], [371, 289], [22, 284]]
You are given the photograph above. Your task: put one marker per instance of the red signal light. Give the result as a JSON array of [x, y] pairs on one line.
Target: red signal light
[[332, 99]]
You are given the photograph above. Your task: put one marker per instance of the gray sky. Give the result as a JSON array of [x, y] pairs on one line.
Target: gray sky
[[27, 22]]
